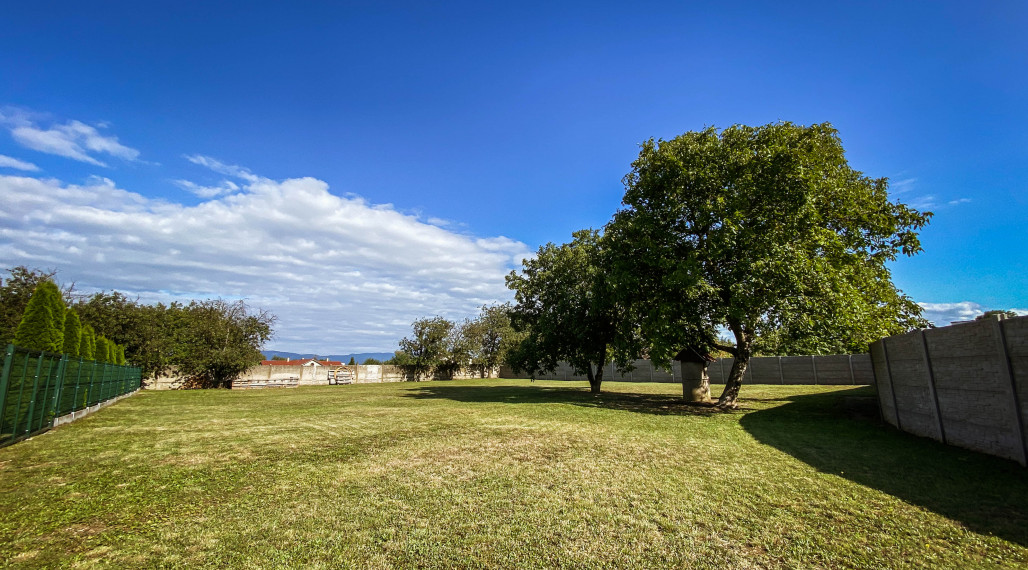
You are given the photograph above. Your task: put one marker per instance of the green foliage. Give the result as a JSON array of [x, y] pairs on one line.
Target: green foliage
[[352, 361], [765, 231], [428, 348], [121, 356], [567, 310], [42, 326], [400, 358], [277, 357], [88, 344], [102, 352], [489, 337], [15, 293], [216, 340], [72, 334], [371, 361]]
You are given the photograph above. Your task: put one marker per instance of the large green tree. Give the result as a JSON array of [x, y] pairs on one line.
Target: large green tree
[[764, 231], [42, 325], [567, 310]]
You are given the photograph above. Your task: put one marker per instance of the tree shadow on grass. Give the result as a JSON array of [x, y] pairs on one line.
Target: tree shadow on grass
[[658, 404], [841, 433]]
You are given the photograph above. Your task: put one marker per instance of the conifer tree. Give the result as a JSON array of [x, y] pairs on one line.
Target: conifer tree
[[72, 334], [42, 325], [88, 343], [121, 355], [103, 349]]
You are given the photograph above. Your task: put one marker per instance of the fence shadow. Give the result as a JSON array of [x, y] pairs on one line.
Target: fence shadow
[[841, 433], [658, 404]]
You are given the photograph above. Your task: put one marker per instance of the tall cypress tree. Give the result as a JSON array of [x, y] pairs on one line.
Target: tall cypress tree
[[121, 355], [42, 325], [103, 352], [88, 343], [72, 334]]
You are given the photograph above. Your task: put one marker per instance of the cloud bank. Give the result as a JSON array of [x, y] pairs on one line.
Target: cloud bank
[[341, 274], [943, 314]]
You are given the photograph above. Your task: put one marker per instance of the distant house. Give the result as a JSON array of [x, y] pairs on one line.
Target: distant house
[[301, 362]]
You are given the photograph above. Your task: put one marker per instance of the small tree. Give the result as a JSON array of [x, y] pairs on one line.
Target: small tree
[[121, 356], [88, 344], [371, 361], [352, 362], [215, 341], [102, 351], [427, 347], [42, 326], [567, 310], [15, 292], [72, 334]]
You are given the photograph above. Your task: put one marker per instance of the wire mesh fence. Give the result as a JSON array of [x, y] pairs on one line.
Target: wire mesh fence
[[38, 387]]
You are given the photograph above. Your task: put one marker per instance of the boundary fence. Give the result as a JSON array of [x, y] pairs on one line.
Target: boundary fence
[[964, 385], [37, 388]]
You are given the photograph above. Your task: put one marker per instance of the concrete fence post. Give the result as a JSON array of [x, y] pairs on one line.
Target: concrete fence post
[[931, 386], [853, 377], [892, 384], [1007, 368], [813, 365], [781, 373]]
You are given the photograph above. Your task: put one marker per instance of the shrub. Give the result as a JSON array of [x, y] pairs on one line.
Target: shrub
[[72, 334], [42, 325]]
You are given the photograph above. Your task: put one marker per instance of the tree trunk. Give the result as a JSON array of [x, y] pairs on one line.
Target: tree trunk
[[743, 349], [595, 379]]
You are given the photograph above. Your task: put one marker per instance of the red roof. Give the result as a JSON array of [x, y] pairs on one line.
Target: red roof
[[300, 362]]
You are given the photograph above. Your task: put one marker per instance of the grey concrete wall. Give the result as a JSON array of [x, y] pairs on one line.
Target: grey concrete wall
[[963, 384], [834, 369]]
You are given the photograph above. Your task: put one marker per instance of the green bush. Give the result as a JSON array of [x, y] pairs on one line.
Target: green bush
[[103, 349], [88, 343], [42, 325], [72, 334]]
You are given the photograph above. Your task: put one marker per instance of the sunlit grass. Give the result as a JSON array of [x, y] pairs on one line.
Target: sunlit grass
[[503, 473]]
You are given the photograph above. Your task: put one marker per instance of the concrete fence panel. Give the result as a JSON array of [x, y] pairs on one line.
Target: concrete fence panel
[[963, 384]]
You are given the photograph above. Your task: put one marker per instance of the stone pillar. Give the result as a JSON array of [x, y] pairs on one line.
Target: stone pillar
[[695, 382]]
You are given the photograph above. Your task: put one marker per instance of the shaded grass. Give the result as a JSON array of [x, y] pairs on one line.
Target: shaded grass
[[503, 474]]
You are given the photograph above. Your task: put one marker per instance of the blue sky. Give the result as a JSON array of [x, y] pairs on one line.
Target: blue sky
[[352, 166]]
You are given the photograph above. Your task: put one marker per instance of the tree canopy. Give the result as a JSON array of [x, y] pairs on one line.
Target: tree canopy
[[565, 307], [765, 232]]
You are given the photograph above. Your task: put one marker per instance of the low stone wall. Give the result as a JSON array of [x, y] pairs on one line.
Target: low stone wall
[[964, 385], [851, 369], [278, 375]]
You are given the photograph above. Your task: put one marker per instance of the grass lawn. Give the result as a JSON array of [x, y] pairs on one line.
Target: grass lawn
[[503, 473]]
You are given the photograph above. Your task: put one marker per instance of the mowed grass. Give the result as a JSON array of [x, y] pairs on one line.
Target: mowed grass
[[503, 473]]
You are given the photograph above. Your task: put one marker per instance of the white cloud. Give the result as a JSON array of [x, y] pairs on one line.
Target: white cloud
[[959, 201], [73, 139], [222, 168], [11, 162], [340, 273], [943, 314], [226, 187]]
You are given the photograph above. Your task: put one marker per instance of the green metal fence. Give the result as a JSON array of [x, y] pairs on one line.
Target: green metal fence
[[38, 387]]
